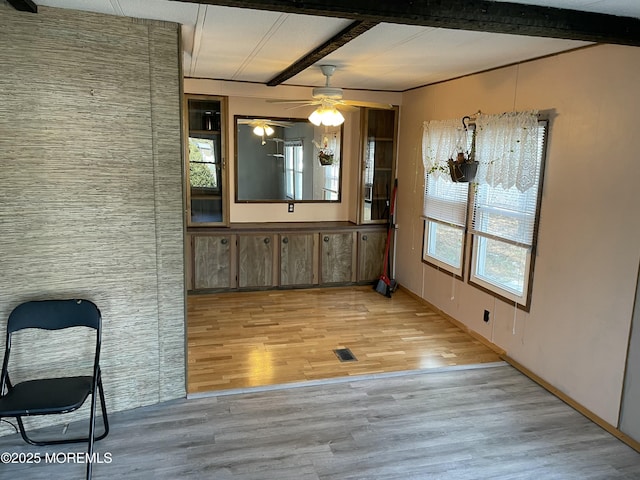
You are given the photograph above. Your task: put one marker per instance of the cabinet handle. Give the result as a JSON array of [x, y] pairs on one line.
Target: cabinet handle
[[285, 240], [364, 237], [267, 240], [326, 239], [224, 241]]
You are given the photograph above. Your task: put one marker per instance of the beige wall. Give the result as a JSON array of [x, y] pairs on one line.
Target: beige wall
[[250, 99], [91, 189], [576, 333]]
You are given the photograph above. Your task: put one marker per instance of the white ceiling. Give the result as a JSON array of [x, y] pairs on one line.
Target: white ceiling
[[253, 46]]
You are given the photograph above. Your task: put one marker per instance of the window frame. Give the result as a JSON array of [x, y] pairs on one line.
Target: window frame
[[437, 263], [523, 303]]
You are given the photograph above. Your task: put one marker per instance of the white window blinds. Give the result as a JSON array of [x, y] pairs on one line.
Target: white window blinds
[[444, 200], [509, 213]]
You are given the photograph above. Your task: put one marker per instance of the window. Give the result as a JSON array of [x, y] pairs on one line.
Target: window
[[445, 202], [293, 168], [503, 215], [445, 211], [331, 187], [503, 228]]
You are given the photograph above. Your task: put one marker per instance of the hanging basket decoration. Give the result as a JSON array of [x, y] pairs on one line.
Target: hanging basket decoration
[[325, 158], [462, 169]]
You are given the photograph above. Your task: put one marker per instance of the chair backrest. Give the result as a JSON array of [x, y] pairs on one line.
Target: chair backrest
[[54, 315]]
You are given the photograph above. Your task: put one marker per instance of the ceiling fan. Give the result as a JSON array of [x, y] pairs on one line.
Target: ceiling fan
[[330, 101], [263, 126]]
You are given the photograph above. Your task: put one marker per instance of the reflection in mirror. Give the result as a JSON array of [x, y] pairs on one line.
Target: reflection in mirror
[[286, 160]]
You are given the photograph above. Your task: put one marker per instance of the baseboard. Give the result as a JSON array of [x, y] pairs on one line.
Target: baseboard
[[457, 323], [528, 373], [573, 404]]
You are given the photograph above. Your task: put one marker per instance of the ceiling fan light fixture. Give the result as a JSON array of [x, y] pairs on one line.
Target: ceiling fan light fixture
[[263, 129], [328, 116]]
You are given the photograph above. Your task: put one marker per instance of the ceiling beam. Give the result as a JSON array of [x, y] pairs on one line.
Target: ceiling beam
[[474, 15], [24, 5], [346, 35]]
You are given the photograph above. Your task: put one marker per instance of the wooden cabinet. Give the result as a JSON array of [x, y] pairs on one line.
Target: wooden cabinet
[[370, 255], [206, 167], [379, 128], [212, 261], [337, 260], [298, 259], [256, 261], [259, 256]]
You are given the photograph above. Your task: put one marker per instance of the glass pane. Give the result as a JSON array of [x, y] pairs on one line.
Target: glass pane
[[205, 161], [202, 163], [444, 243], [204, 178], [378, 168], [501, 264]]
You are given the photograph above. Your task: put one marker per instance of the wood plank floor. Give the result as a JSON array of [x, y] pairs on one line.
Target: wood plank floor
[[477, 424], [250, 339]]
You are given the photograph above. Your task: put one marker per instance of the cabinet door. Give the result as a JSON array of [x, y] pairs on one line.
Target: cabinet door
[[378, 164], [205, 153], [255, 261], [212, 261], [337, 257], [370, 255], [297, 259]]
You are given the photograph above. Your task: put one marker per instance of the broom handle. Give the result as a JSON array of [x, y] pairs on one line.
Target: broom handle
[[390, 228]]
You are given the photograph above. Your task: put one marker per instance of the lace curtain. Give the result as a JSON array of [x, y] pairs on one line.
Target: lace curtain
[[441, 140], [507, 149]]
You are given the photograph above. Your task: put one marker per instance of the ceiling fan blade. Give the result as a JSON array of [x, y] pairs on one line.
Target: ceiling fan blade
[[301, 106], [356, 103], [306, 100], [346, 107]]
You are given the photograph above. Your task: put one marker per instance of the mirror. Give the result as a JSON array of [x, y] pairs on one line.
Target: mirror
[[287, 160]]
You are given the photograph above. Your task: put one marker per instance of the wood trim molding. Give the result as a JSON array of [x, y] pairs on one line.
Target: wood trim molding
[[343, 37], [474, 15], [540, 381], [573, 404], [457, 323]]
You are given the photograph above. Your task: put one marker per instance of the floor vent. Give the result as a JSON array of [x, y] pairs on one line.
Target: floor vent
[[345, 355]]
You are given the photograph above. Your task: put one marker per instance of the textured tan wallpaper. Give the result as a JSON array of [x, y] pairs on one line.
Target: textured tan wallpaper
[[91, 190]]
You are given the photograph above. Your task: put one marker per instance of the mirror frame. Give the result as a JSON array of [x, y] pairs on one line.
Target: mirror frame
[[282, 119]]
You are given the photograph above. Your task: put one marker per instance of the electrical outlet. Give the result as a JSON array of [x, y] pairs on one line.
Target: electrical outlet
[[486, 316], [290, 208]]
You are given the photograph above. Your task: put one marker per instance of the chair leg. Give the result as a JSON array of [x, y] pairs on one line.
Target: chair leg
[[105, 419], [24, 435], [92, 426], [103, 406]]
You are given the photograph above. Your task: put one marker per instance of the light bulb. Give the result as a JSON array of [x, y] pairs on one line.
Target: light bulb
[[268, 130], [258, 131], [316, 117], [332, 117]]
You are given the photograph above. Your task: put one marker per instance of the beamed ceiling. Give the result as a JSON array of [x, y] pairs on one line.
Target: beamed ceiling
[[387, 45]]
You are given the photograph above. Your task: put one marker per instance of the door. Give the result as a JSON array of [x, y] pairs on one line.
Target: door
[[212, 261], [370, 255], [297, 259], [337, 257], [255, 261], [630, 410]]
